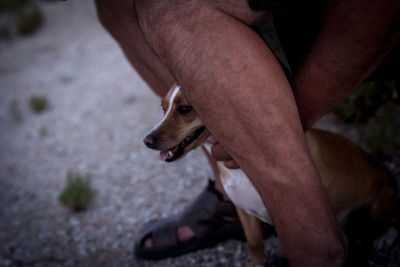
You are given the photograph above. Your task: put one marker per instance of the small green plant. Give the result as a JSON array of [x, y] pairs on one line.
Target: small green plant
[[38, 104], [29, 20], [366, 100], [374, 109], [381, 134], [22, 16], [77, 192]]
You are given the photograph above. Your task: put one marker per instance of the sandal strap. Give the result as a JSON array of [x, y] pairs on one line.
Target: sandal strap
[[155, 229], [165, 235], [207, 212]]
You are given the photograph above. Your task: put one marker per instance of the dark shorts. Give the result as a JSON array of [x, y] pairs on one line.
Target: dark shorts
[[290, 27]]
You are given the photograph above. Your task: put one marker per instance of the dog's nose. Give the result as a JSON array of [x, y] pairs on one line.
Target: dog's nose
[[150, 141]]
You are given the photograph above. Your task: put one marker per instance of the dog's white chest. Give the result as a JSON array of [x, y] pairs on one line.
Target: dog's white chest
[[242, 193]]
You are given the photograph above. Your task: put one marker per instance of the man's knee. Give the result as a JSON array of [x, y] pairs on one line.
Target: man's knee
[[113, 13], [155, 15]]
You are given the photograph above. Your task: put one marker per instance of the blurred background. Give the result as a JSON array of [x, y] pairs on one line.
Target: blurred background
[[76, 182]]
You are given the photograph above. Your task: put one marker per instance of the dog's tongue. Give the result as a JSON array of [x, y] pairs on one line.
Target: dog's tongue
[[165, 153]]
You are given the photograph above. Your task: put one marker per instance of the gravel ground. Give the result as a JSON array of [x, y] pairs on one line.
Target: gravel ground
[[99, 111]]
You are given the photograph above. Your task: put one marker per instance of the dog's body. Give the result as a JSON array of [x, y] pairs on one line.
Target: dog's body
[[351, 177]]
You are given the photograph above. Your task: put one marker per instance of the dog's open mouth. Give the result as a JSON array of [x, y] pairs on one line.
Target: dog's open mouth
[[175, 152]]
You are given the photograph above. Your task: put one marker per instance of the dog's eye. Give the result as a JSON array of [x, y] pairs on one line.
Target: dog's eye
[[183, 110]]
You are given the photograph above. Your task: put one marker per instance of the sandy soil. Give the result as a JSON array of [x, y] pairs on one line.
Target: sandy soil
[[99, 112]]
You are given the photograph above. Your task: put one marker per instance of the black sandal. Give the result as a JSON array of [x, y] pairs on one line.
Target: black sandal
[[206, 216]]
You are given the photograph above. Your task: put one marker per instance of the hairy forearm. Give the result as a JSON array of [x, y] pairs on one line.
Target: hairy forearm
[[354, 38]]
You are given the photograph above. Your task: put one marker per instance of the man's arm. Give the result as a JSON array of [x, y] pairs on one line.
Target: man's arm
[[354, 38]]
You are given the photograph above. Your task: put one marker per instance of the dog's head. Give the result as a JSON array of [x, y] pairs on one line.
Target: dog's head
[[179, 131]]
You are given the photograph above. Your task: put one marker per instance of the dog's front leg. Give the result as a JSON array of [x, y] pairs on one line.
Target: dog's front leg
[[254, 236]]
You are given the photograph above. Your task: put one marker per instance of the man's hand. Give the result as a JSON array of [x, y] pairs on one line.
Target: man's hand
[[219, 153]]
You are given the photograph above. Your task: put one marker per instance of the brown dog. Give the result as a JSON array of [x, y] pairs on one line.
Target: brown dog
[[352, 178]]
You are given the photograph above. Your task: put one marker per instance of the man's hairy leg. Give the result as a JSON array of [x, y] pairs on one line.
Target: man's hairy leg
[[119, 18], [240, 92]]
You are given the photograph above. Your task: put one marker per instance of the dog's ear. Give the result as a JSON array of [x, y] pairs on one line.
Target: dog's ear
[[164, 104]]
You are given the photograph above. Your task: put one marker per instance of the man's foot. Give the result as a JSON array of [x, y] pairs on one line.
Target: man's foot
[[207, 221]]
